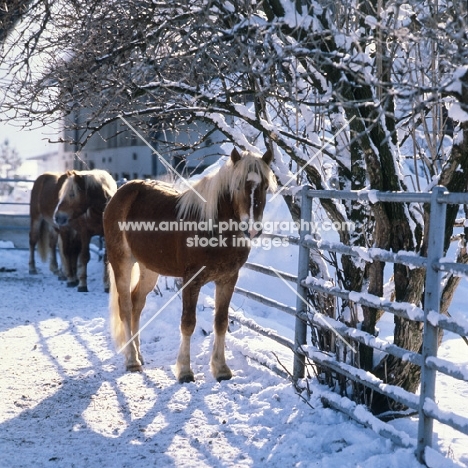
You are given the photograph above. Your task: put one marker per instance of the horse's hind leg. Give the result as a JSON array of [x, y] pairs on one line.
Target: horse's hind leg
[[122, 312], [145, 285], [223, 295], [187, 325]]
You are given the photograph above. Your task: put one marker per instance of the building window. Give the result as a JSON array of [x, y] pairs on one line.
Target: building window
[[110, 159], [103, 160], [135, 156]]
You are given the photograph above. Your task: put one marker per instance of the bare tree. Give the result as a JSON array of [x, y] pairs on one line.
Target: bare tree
[[10, 161], [10, 14]]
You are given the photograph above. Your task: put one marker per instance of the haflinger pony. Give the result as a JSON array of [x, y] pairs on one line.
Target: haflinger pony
[[235, 196], [45, 234], [82, 200]]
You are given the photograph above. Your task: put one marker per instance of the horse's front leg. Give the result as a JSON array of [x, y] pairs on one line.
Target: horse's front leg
[[184, 372], [145, 285], [223, 295], [53, 264], [83, 260], [124, 330], [68, 253]]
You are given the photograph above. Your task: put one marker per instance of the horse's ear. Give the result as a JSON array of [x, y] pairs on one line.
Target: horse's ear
[[235, 156], [268, 157]]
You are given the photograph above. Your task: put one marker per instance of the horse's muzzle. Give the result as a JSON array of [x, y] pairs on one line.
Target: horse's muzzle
[[61, 219]]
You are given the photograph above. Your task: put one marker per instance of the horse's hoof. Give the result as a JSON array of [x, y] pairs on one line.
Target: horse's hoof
[[82, 288], [187, 378], [33, 271], [221, 373], [134, 368], [220, 378], [72, 284]]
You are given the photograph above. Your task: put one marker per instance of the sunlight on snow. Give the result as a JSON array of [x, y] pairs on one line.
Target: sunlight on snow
[[180, 400], [64, 345], [104, 415], [451, 441], [11, 370], [124, 406], [93, 334]]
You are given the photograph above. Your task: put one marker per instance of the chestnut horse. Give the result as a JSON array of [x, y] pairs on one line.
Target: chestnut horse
[[44, 233], [82, 199], [235, 199]]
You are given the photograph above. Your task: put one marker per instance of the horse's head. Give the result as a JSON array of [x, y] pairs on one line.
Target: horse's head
[[237, 192], [72, 199], [252, 177]]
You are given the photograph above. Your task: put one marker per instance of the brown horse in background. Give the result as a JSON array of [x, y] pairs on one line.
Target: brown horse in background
[[235, 194], [45, 234], [81, 202]]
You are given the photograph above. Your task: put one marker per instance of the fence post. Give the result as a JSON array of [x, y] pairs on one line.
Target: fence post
[[300, 335], [435, 250]]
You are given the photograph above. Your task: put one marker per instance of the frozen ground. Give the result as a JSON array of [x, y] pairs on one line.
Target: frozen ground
[[66, 400]]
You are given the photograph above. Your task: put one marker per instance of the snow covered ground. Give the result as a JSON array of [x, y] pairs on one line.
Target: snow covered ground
[[66, 400]]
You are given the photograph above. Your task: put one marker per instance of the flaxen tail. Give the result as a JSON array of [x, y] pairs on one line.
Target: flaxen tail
[[116, 324], [43, 241]]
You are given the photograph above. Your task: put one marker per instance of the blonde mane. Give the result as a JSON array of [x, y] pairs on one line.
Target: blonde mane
[[94, 179], [230, 177], [100, 179]]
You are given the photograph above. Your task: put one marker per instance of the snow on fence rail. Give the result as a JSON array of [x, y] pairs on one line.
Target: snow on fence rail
[[434, 264]]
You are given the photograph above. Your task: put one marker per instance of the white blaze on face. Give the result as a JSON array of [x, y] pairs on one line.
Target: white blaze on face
[[59, 203], [254, 177], [256, 180]]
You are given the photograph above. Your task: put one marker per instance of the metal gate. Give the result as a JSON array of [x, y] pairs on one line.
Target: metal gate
[[430, 316], [14, 215]]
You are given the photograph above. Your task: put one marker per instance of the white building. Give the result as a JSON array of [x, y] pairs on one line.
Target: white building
[[52, 161], [120, 151]]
